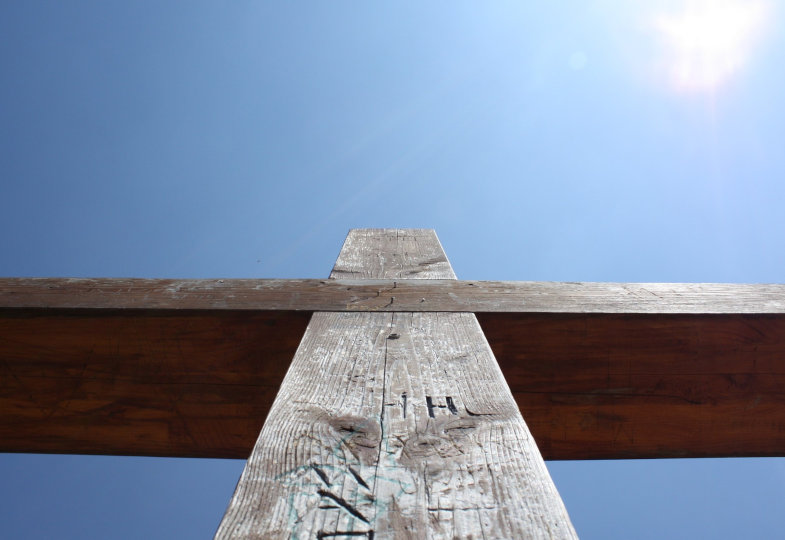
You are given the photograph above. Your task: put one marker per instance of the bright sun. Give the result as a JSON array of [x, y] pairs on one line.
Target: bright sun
[[708, 41]]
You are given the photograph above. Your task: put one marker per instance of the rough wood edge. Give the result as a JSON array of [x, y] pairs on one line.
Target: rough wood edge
[[420, 295]]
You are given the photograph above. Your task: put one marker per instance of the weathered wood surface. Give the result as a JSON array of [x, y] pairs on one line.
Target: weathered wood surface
[[404, 294], [394, 425]]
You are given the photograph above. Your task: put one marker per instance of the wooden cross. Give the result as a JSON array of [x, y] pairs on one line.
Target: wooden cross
[[393, 419]]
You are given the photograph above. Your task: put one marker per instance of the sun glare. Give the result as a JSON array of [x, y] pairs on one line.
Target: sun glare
[[708, 41]]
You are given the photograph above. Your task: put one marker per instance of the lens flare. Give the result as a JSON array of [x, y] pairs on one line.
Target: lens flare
[[709, 41]]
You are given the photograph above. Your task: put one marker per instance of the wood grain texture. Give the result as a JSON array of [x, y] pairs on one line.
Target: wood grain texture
[[95, 366], [394, 425], [103, 382], [645, 386], [404, 294], [155, 384]]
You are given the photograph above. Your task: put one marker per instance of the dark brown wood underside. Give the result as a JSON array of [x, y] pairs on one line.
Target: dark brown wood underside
[[200, 383]]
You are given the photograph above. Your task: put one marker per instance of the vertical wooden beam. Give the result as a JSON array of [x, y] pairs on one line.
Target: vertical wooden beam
[[395, 425]]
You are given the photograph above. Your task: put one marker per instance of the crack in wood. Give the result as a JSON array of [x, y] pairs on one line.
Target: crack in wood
[[344, 504], [323, 534], [321, 474], [357, 477]]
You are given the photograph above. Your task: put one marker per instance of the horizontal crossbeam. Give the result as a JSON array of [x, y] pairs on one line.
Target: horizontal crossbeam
[[390, 295], [599, 370]]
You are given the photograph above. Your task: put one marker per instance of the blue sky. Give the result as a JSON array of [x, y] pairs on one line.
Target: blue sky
[[574, 141]]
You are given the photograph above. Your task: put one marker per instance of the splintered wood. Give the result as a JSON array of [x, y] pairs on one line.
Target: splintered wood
[[395, 425]]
